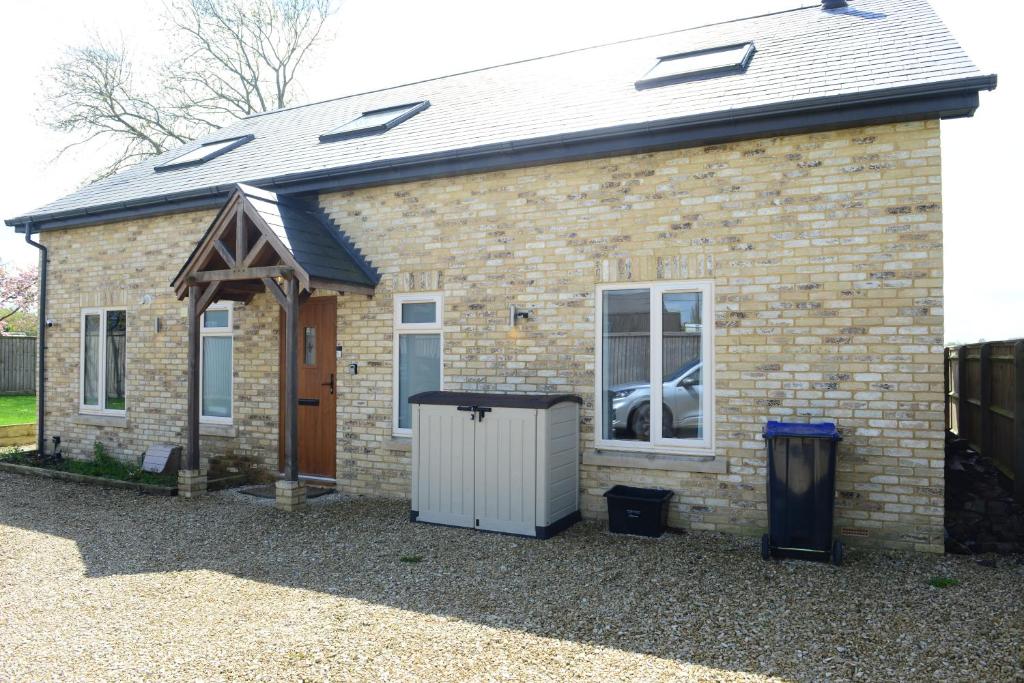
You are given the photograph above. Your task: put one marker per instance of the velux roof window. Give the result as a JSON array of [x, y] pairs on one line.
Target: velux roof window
[[204, 152], [697, 65], [375, 121]]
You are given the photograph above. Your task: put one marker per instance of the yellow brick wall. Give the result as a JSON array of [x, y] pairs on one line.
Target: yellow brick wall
[[130, 264], [825, 251]]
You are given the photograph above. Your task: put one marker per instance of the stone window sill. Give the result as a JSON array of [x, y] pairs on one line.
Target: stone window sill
[[656, 461], [399, 443], [100, 420], [213, 429]]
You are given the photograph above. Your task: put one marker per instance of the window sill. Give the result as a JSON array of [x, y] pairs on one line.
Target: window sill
[[604, 457], [399, 443], [100, 420], [215, 429]]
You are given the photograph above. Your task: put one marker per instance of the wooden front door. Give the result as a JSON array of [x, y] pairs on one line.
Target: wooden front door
[[317, 419]]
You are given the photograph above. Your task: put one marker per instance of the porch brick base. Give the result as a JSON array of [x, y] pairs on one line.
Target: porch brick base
[[191, 483], [291, 496]]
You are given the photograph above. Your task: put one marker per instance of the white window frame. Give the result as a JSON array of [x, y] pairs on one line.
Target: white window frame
[[700, 447], [101, 371], [228, 331], [401, 328]]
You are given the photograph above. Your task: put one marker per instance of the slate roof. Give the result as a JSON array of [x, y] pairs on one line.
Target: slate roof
[[318, 246], [873, 61]]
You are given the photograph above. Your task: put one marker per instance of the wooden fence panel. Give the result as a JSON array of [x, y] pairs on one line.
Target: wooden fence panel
[[985, 403], [628, 355], [17, 365]]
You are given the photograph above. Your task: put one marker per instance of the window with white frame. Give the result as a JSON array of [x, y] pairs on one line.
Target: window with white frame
[[103, 350], [418, 343], [661, 331], [215, 364]]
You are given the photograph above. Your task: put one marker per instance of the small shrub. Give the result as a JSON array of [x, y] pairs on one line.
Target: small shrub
[[411, 559], [16, 456], [942, 582], [102, 465]]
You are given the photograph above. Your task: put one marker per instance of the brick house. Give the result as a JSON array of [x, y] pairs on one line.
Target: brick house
[[752, 209]]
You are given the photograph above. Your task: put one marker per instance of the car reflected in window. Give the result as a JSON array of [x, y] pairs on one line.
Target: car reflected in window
[[682, 416]]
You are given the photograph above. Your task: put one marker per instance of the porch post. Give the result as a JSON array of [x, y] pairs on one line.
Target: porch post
[[291, 495], [191, 481]]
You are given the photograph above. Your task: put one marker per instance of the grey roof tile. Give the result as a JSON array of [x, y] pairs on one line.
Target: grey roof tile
[[802, 54], [319, 246]]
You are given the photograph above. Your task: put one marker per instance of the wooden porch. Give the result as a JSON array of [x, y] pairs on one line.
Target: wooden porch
[[262, 242]]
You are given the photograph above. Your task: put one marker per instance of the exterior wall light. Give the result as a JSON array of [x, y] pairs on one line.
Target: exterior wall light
[[514, 315]]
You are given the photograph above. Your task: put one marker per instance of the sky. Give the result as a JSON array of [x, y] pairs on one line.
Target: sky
[[377, 44]]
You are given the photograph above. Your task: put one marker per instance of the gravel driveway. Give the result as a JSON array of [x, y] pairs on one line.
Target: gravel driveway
[[111, 585]]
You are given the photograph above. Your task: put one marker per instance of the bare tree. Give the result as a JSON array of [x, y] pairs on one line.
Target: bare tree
[[93, 96], [232, 58], [241, 56]]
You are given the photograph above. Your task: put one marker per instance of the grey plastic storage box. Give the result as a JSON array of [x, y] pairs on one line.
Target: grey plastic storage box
[[496, 462], [801, 491]]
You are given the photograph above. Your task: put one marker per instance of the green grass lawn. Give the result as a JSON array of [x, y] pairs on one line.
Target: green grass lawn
[[17, 409]]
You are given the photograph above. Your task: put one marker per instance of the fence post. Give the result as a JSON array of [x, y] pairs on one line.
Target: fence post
[[962, 429], [985, 402], [1018, 422], [947, 424]]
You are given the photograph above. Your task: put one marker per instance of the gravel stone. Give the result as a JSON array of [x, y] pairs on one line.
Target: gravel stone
[[99, 584]]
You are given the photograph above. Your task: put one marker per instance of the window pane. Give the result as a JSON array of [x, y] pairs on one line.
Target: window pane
[[419, 369], [216, 398], [115, 350], [217, 318], [683, 391], [626, 358], [690, 64], [201, 153], [91, 362], [419, 313], [309, 346], [374, 118]]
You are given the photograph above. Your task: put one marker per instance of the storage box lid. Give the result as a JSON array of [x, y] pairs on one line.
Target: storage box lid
[[820, 430], [639, 495], [483, 400]]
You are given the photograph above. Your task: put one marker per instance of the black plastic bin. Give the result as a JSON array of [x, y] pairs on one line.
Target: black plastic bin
[[642, 512], [801, 491]]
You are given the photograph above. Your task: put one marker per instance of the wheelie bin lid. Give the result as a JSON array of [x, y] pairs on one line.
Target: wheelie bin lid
[[820, 430]]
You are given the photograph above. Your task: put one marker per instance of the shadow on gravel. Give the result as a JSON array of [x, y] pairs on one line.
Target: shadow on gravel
[[699, 598]]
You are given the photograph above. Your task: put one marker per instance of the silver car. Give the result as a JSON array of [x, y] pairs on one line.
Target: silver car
[[682, 394]]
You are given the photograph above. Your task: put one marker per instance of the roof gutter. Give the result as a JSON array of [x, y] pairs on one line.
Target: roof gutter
[[951, 99]]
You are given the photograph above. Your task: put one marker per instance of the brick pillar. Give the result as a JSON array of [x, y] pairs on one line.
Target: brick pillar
[[191, 483], [291, 495]]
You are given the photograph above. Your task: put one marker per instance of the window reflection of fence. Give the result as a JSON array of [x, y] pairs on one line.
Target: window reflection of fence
[[115, 364], [627, 356]]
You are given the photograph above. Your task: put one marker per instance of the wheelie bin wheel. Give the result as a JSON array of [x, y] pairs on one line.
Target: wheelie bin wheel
[[766, 550], [837, 552]]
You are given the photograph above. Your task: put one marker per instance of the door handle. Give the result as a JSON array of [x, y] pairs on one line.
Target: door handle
[[329, 384], [475, 412]]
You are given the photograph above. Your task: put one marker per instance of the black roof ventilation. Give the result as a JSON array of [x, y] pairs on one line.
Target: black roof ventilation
[[833, 4]]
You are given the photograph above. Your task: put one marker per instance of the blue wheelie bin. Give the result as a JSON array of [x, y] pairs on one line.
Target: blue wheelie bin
[[801, 491]]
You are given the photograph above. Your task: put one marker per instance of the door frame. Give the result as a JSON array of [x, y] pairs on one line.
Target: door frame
[[281, 368]]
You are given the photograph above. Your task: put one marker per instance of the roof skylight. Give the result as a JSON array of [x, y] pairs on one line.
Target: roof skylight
[[204, 152], [375, 121], [697, 65]]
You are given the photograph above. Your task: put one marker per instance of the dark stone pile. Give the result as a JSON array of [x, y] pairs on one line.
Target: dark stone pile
[[981, 515]]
